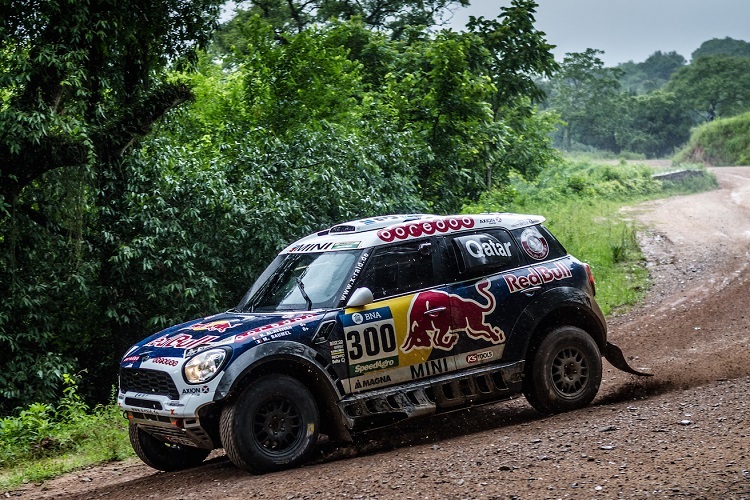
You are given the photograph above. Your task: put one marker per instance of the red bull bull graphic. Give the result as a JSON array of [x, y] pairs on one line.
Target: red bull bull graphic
[[430, 325], [220, 326], [415, 229], [370, 340], [536, 276]]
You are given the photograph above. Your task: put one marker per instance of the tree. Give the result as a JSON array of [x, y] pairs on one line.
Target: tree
[[722, 46], [296, 15], [587, 96], [651, 74], [657, 124], [714, 86], [80, 82]]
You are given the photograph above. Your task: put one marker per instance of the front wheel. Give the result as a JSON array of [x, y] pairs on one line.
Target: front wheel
[[164, 456], [563, 371], [273, 425]]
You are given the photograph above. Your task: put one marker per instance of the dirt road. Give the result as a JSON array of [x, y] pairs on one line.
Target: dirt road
[[683, 433]]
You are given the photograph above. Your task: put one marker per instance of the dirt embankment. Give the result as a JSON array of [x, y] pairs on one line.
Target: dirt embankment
[[685, 432]]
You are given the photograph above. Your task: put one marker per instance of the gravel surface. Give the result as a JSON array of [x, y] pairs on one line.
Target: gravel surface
[[682, 433]]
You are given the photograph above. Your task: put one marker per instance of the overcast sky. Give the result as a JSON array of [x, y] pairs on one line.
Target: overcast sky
[[628, 29]]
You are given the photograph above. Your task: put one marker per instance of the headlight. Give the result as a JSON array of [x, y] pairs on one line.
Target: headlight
[[204, 366]]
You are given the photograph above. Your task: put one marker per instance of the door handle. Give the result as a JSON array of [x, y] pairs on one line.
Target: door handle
[[434, 312], [531, 291]]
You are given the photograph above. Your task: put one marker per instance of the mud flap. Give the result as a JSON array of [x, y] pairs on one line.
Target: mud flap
[[614, 355]]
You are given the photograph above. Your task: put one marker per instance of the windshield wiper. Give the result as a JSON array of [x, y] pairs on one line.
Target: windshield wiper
[[304, 294]]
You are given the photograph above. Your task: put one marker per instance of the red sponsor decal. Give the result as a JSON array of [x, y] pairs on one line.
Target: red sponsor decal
[[431, 326], [131, 359], [181, 341], [537, 276], [417, 228], [214, 326], [255, 332], [165, 361]]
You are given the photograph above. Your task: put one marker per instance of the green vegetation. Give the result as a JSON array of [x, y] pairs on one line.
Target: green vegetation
[[582, 202], [721, 142], [45, 441]]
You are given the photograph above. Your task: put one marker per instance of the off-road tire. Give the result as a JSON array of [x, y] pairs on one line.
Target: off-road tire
[[272, 425], [563, 371], [164, 456]]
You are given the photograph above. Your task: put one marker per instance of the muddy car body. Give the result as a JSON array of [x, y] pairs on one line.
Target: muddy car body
[[366, 324]]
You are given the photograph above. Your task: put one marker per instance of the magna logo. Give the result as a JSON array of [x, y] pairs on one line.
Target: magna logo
[[537, 276], [416, 229], [476, 357]]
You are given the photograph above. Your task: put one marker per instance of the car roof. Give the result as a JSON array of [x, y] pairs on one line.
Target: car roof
[[376, 231]]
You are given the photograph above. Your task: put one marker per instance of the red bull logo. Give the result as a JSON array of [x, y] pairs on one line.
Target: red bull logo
[[538, 275], [181, 341], [430, 325]]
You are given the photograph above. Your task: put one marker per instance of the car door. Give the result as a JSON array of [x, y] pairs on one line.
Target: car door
[[483, 310], [405, 334]]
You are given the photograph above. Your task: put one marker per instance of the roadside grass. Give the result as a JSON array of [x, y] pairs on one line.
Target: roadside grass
[[582, 202], [43, 441]]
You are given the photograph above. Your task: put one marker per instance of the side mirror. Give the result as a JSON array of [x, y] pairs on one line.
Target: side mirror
[[360, 297]]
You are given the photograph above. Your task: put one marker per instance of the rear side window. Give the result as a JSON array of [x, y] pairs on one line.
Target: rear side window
[[538, 244], [484, 253], [399, 269]]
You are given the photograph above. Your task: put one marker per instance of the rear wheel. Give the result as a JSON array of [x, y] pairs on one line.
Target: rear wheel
[[164, 456], [563, 372], [273, 425]]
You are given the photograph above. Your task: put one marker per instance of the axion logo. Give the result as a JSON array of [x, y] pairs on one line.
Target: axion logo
[[418, 228], [537, 276], [430, 323]]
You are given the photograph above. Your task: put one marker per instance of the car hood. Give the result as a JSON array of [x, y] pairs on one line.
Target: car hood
[[239, 331]]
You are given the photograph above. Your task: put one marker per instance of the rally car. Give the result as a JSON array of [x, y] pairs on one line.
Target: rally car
[[366, 324]]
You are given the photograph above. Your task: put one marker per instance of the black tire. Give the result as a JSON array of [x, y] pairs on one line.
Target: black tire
[[563, 371], [273, 425], [164, 456]]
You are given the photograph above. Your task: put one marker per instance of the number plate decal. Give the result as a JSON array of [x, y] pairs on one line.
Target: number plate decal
[[371, 342]]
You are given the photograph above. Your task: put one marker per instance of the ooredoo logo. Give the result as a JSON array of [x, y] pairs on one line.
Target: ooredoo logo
[[416, 229]]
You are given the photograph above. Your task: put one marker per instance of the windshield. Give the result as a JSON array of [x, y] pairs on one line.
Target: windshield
[[301, 281]]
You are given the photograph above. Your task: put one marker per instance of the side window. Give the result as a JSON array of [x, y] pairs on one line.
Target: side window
[[399, 269], [484, 253], [538, 243]]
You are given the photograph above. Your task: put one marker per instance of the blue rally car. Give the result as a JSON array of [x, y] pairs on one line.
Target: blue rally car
[[366, 324]]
